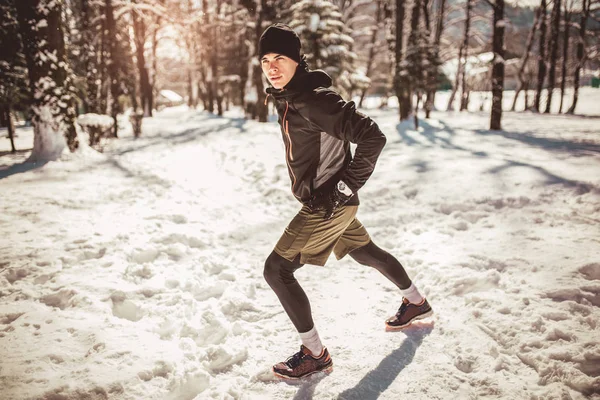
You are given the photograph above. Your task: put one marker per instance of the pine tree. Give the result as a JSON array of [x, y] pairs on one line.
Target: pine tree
[[326, 42], [49, 77], [13, 70]]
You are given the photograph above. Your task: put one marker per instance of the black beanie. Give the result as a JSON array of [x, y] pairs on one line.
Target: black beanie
[[280, 39]]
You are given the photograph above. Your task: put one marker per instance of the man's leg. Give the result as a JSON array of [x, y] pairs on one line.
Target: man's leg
[[414, 306], [279, 274], [372, 256], [312, 357]]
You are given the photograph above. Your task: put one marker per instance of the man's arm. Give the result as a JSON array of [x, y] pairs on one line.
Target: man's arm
[[340, 119]]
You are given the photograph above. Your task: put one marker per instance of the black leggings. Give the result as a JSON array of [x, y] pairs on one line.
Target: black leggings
[[279, 274]]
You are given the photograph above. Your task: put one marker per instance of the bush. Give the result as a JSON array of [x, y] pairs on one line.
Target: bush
[[136, 122], [95, 125]]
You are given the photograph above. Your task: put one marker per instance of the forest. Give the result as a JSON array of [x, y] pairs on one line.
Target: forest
[[67, 64]]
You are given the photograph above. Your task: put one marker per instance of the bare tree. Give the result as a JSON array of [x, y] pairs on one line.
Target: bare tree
[[112, 64], [464, 100], [401, 81], [373, 44], [429, 102], [525, 59], [139, 31], [259, 11], [581, 56], [565, 58], [542, 57], [498, 64], [554, 32]]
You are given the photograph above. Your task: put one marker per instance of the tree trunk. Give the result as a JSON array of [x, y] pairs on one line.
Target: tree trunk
[[401, 80], [139, 32], [542, 58], [90, 101], [190, 88], [102, 95], [52, 106], [10, 125], [373, 45], [565, 58], [464, 101], [154, 62], [243, 71], [261, 108], [450, 106], [498, 66], [416, 83], [580, 53], [113, 67], [430, 100], [554, 32], [525, 59], [217, 92]]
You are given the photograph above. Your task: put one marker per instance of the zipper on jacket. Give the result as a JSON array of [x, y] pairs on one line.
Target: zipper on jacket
[[289, 156], [286, 129]]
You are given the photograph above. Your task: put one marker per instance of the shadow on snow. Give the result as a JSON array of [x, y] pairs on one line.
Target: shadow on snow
[[186, 136], [372, 385], [443, 134]]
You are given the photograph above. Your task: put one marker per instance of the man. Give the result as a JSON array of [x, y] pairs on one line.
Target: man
[[317, 128]]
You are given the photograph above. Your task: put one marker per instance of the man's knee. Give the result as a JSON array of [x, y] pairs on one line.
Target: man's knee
[[278, 269], [369, 255]]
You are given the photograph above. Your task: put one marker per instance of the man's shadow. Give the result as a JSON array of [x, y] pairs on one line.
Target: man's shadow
[[378, 380]]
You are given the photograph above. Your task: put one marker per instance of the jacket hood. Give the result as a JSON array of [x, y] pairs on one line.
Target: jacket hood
[[304, 80]]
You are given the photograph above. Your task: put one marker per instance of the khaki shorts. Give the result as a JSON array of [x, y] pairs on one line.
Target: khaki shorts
[[315, 238]]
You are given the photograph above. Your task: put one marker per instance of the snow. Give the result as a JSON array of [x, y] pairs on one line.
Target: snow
[[171, 95], [137, 273], [95, 120], [314, 22]]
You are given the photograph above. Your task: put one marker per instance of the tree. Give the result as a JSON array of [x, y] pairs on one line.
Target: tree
[[462, 60], [581, 56], [260, 12], [326, 41], [464, 100], [525, 59], [541, 57], [13, 70], [401, 79], [498, 65], [554, 32], [139, 29], [434, 74], [565, 57], [420, 60], [49, 78], [89, 56], [374, 44]]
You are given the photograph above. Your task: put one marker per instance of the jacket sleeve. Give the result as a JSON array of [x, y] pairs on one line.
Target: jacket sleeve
[[340, 119]]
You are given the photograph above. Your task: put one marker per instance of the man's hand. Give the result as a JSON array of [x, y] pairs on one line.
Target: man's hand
[[331, 200]]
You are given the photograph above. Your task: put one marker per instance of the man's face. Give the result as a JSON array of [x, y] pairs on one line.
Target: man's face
[[278, 69]]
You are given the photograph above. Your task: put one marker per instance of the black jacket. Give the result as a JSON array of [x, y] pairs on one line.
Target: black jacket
[[317, 126]]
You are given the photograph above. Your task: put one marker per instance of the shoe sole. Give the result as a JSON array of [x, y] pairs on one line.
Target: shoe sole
[[297, 378], [390, 328]]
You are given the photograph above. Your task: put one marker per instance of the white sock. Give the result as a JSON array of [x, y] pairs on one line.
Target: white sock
[[412, 294], [312, 341]]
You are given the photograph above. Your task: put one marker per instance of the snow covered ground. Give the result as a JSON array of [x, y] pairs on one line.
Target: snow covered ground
[[137, 273]]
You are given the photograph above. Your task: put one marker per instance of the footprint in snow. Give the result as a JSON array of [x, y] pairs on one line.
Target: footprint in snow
[[124, 308], [590, 271]]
